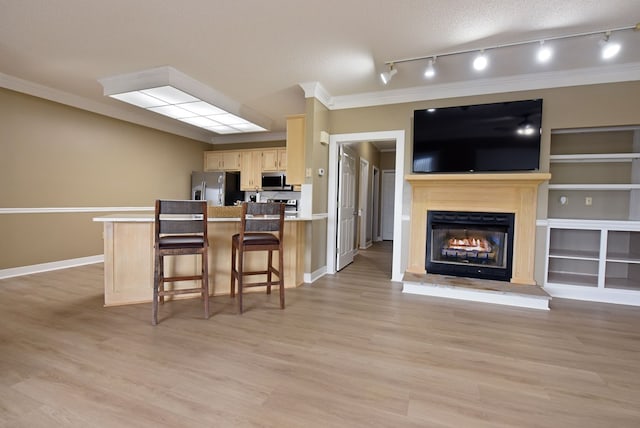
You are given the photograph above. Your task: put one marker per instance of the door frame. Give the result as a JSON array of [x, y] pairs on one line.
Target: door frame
[[375, 204], [334, 141]]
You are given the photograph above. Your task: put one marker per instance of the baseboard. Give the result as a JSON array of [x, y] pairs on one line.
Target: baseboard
[[46, 267], [310, 278]]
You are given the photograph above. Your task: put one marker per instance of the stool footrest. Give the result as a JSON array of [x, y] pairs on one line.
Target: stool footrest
[[180, 278], [180, 291]]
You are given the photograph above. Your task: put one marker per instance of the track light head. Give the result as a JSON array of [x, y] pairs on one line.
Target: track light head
[[388, 75], [430, 71], [481, 61], [609, 48], [544, 52]]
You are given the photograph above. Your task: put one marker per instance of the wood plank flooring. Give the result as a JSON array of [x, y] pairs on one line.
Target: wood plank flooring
[[348, 351]]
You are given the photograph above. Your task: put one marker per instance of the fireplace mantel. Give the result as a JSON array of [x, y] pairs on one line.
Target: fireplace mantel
[[493, 192]]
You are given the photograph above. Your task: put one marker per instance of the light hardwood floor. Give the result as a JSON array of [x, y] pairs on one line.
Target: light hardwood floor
[[349, 350]]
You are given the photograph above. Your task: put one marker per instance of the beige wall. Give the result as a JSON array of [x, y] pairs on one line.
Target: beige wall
[[52, 155], [387, 160]]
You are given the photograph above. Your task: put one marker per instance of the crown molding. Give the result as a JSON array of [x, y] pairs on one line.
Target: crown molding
[[249, 138], [317, 91], [524, 82]]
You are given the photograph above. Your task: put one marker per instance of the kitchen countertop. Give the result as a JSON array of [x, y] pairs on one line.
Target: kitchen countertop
[[145, 218]]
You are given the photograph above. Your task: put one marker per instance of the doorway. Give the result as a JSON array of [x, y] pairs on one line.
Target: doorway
[[335, 141]]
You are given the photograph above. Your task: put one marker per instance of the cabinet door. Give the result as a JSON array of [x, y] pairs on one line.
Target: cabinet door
[[250, 172], [213, 161], [295, 149], [231, 161], [270, 160], [282, 159]]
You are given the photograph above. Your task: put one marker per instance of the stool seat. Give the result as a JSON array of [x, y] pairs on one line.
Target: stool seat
[[261, 229], [257, 239], [181, 241]]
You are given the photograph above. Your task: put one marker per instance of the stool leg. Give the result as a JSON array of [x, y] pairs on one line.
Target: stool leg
[[233, 270], [281, 276], [156, 281], [240, 277], [269, 269], [205, 283], [161, 279]]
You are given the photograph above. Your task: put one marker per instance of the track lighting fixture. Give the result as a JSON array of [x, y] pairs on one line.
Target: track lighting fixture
[[388, 75], [430, 70], [610, 48], [481, 61], [544, 52]]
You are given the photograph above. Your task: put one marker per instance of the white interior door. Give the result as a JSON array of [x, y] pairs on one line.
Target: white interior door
[[346, 207], [363, 204], [375, 205], [388, 197]]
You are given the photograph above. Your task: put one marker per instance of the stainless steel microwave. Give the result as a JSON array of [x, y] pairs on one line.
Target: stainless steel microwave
[[275, 181]]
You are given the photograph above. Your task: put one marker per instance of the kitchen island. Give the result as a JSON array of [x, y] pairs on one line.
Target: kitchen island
[[128, 256]]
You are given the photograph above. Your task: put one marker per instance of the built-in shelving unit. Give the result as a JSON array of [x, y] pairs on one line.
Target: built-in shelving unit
[[594, 260], [593, 226]]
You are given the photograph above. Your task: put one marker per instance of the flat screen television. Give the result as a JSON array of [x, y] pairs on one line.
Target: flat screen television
[[478, 138]]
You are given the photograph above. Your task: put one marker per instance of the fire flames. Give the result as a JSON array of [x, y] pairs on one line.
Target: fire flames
[[469, 244]]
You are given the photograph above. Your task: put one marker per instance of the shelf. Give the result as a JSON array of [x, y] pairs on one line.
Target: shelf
[[573, 279], [594, 186], [592, 158], [574, 254], [622, 284], [622, 258]]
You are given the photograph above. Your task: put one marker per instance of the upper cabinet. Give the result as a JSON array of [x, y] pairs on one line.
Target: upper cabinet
[[295, 149], [274, 159], [222, 160], [251, 171]]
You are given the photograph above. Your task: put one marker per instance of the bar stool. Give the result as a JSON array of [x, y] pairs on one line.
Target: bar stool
[[261, 229], [180, 229]]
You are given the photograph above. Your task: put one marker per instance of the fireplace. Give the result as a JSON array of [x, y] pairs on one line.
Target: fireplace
[[470, 244]]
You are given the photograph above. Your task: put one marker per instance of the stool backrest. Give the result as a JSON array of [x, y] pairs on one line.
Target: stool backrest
[[262, 217], [180, 217]]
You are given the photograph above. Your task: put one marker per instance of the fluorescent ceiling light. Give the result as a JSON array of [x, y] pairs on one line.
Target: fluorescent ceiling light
[[166, 91]]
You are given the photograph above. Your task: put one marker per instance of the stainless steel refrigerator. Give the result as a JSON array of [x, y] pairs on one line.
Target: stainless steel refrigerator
[[217, 188]]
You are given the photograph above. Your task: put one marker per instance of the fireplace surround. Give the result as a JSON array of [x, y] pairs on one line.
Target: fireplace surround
[[515, 193], [470, 244]]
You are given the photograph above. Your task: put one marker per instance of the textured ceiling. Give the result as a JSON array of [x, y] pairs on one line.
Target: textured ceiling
[[257, 52]]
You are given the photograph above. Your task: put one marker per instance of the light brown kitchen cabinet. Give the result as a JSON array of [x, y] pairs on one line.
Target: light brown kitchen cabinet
[[295, 149], [274, 159], [251, 170], [222, 160]]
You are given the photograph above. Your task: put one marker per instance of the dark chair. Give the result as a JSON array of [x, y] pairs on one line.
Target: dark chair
[[261, 229], [180, 228]]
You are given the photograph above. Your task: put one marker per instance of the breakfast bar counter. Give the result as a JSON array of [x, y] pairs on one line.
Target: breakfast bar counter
[[128, 256]]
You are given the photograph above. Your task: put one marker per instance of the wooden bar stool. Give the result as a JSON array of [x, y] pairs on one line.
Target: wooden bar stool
[[180, 229], [261, 229]]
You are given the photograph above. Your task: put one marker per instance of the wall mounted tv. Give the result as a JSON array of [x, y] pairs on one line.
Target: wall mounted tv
[[478, 138]]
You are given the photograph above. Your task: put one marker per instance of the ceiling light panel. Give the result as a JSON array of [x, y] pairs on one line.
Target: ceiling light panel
[[170, 95], [139, 99], [167, 91]]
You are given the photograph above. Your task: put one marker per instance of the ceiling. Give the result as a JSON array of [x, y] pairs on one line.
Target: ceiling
[[258, 53]]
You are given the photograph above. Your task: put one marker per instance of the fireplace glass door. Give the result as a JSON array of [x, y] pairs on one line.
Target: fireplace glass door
[[476, 245], [469, 246]]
